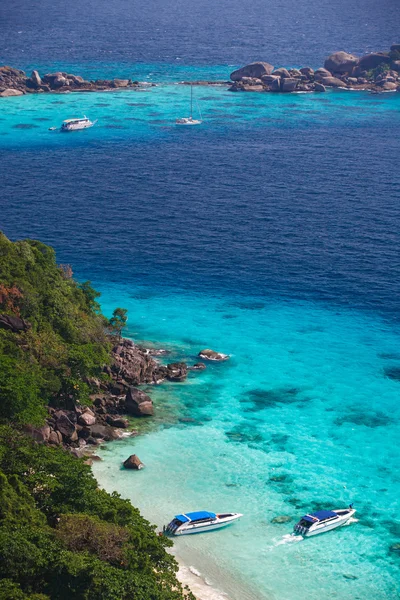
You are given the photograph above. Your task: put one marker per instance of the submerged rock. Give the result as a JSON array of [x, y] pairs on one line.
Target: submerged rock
[[213, 355], [133, 462], [282, 519]]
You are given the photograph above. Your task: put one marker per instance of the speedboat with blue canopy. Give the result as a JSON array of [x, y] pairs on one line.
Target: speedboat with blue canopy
[[323, 520], [199, 522]]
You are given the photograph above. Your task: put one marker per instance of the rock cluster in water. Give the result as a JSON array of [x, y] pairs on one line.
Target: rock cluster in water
[[378, 71], [14, 82], [79, 428]]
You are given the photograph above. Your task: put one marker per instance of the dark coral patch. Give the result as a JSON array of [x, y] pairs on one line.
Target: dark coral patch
[[25, 126], [367, 419], [393, 373], [261, 399]]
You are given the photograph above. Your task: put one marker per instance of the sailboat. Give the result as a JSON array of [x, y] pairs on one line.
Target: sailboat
[[190, 120]]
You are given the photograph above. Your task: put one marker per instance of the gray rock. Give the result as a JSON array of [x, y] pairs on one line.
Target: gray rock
[[373, 60], [133, 462], [121, 83], [332, 82], [87, 418], [395, 48], [341, 62], [138, 403], [307, 71], [320, 73], [275, 85], [9, 92], [65, 425], [289, 84], [281, 72], [39, 434], [256, 69], [55, 438], [395, 65], [389, 86], [269, 78], [14, 324], [212, 355], [117, 422], [319, 87], [199, 366], [35, 79]]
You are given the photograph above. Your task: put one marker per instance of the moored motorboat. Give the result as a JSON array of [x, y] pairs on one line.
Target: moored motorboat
[[199, 522], [76, 124], [323, 520]]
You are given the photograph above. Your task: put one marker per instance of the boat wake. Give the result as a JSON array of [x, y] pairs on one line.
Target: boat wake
[[289, 538], [350, 521]]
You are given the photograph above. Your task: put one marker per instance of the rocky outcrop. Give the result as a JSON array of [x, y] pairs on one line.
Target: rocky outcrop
[[133, 462], [14, 324], [212, 355], [340, 62], [14, 82], [138, 404], [256, 69], [341, 70]]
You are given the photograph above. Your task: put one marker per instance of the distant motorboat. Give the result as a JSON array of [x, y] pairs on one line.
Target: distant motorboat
[[76, 124], [190, 120], [323, 520], [199, 522]]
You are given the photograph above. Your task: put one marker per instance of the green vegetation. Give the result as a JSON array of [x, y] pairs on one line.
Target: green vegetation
[[66, 344], [383, 68], [60, 536]]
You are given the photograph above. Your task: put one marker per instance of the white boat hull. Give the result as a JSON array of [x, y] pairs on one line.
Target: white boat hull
[[77, 127], [323, 527], [203, 527]]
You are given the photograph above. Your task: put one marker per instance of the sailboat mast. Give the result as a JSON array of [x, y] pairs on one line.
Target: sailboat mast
[[191, 100]]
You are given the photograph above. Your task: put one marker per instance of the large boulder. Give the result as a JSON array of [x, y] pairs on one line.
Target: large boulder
[[138, 404], [282, 72], [395, 65], [213, 355], [104, 432], [87, 418], [307, 71], [373, 60], [11, 92], [65, 425], [275, 85], [133, 462], [39, 434], [120, 83], [177, 371], [332, 82], [340, 62], [55, 438], [389, 86], [319, 87], [35, 79], [116, 421], [256, 69], [289, 84], [14, 324], [321, 72]]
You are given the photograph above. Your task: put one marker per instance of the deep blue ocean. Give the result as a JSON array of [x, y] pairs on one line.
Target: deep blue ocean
[[271, 233]]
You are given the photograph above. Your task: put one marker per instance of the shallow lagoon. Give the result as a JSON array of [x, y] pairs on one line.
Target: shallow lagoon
[[301, 417]]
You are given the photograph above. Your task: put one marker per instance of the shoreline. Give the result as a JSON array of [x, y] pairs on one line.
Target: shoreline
[[375, 72]]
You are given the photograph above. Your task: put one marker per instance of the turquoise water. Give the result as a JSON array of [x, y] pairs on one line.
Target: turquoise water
[[301, 417], [269, 233], [150, 114]]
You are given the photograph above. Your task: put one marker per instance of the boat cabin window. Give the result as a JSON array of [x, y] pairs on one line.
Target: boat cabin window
[[304, 523]]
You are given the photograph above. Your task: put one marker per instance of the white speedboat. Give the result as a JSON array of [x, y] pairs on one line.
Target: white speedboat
[[199, 522], [76, 124], [323, 520], [190, 120]]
